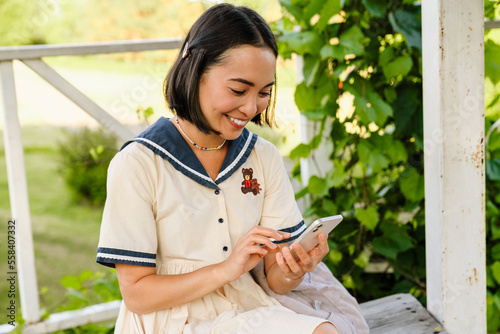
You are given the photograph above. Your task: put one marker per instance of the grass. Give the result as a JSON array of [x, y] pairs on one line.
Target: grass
[[65, 233]]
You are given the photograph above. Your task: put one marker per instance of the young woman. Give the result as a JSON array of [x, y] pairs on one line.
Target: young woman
[[196, 201]]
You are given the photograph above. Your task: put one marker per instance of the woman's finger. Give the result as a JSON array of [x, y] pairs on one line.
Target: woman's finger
[[282, 264], [290, 260], [268, 232], [304, 258], [323, 245]]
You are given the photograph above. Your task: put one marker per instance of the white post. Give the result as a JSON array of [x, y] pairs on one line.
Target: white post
[[318, 163], [453, 74], [18, 192]]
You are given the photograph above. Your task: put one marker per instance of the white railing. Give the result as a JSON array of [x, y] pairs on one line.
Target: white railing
[[25, 272]]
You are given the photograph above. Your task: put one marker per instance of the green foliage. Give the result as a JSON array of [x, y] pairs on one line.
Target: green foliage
[[85, 157], [369, 51], [88, 289], [363, 50]]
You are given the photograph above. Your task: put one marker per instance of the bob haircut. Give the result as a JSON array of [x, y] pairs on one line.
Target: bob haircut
[[219, 29]]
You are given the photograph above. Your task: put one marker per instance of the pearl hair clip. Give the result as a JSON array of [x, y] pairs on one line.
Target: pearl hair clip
[[186, 53]]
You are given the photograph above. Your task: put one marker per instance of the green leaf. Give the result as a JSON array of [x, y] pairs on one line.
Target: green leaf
[[362, 260], [302, 192], [71, 282], [493, 169], [93, 153], [336, 176], [148, 112], [381, 108], [408, 112], [387, 247], [305, 42], [399, 66], [301, 151], [313, 7], [358, 170], [495, 270], [368, 217], [491, 56], [352, 41], [330, 8], [376, 7], [411, 184], [317, 185], [407, 22], [495, 252], [332, 51], [392, 242], [390, 94], [85, 275], [490, 281], [386, 56], [348, 282], [329, 206], [335, 256], [315, 98], [493, 315], [310, 69], [372, 156], [99, 149], [396, 151], [372, 108]]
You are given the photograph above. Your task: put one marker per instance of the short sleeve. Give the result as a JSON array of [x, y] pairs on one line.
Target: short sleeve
[[128, 229], [280, 210]]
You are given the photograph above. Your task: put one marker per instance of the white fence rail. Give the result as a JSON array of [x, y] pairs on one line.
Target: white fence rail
[[16, 174]]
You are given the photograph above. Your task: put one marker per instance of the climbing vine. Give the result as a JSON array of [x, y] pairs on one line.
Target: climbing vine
[[362, 70]]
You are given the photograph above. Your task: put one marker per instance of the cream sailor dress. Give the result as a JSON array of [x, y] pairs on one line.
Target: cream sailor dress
[[164, 211]]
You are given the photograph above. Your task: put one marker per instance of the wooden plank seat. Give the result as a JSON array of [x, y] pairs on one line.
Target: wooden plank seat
[[399, 313]]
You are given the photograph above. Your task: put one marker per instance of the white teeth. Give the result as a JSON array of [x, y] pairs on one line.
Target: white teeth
[[237, 121]]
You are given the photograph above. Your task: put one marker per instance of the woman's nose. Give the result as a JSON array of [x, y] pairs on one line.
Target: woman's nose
[[249, 107]]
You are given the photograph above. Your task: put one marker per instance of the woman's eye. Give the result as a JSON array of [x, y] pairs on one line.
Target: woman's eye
[[265, 94], [238, 92]]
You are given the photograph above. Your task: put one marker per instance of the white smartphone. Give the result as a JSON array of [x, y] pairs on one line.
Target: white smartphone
[[309, 238]]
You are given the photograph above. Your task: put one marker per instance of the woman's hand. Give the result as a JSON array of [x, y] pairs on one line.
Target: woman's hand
[[249, 250], [294, 269]]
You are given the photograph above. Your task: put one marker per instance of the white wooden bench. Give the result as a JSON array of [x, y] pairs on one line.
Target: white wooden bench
[[400, 313]]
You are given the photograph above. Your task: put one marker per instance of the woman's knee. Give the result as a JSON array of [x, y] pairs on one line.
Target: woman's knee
[[326, 328]]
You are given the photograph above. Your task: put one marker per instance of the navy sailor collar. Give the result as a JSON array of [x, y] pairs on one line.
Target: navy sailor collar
[[164, 139]]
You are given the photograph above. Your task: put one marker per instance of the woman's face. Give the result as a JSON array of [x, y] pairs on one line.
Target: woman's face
[[237, 89]]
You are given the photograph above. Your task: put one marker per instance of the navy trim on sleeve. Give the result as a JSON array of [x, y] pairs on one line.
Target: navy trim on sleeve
[[111, 256], [296, 231]]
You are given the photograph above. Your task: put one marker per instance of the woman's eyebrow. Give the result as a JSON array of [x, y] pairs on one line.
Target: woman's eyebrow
[[249, 83]]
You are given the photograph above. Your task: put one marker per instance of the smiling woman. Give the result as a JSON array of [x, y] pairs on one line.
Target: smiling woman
[[197, 201]]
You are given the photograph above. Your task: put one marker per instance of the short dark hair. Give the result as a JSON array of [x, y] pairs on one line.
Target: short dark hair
[[220, 28]]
